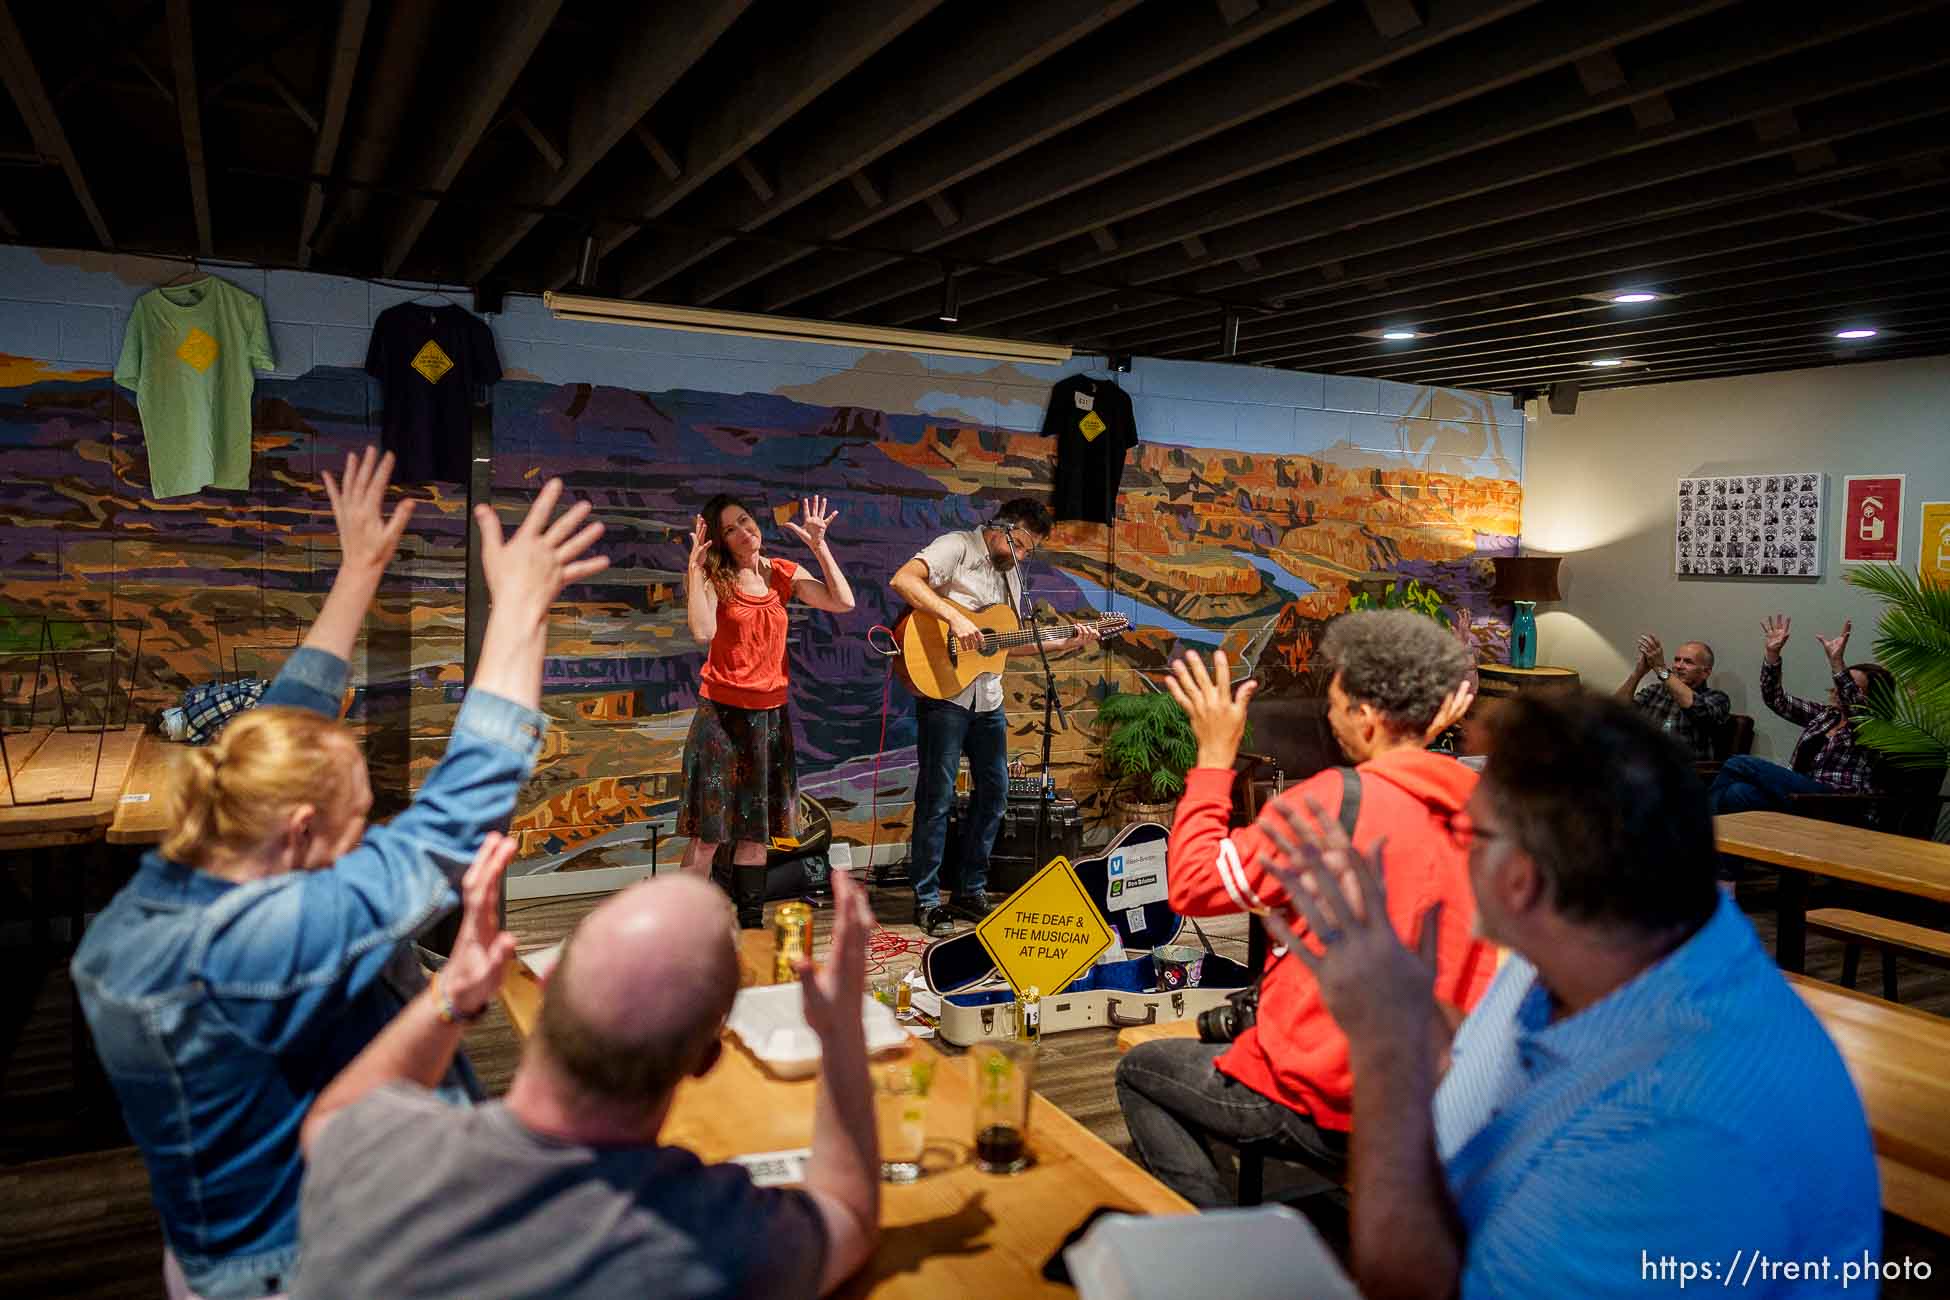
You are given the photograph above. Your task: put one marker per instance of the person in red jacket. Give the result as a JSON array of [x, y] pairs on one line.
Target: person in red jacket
[[1399, 680]]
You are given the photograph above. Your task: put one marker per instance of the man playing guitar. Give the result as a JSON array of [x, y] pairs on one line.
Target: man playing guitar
[[953, 575]]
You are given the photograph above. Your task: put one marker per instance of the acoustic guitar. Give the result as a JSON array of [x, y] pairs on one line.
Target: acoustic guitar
[[932, 664]]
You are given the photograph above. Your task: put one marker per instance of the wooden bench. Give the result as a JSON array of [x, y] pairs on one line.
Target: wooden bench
[[1802, 846], [1855, 929], [1894, 1054]]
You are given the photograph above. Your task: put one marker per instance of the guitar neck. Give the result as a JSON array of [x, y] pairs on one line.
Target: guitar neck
[[1048, 632]]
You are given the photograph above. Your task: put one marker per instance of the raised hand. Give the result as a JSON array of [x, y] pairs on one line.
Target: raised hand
[[700, 546], [1836, 647], [1774, 634], [834, 992], [527, 571], [1454, 706], [1373, 986], [472, 975], [1216, 710], [366, 537], [818, 519], [1651, 653]]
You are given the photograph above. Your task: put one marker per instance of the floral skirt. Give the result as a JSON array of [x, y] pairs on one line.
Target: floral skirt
[[739, 779]]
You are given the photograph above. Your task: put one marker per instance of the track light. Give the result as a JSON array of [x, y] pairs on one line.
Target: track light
[[793, 329], [950, 298]]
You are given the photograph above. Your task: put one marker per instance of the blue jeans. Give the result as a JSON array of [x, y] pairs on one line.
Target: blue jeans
[[1748, 784], [947, 732]]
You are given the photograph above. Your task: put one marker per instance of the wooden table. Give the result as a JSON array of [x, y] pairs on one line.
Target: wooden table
[[1501, 681], [1802, 846], [1896, 1056], [954, 1232], [142, 814], [77, 778]]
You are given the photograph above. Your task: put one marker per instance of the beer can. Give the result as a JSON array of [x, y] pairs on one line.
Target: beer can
[[792, 936]]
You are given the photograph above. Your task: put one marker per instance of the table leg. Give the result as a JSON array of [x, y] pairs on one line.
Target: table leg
[[1791, 932]]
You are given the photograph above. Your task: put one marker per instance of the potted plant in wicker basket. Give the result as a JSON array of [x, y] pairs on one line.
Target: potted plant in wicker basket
[[1148, 748]]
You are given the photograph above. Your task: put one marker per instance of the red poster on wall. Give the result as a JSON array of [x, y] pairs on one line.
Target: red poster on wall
[[1872, 518]]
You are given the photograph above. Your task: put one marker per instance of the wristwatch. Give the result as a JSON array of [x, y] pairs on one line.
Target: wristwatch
[[1662, 673]]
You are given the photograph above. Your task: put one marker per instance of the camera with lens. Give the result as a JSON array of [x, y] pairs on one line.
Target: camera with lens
[[1224, 1023]]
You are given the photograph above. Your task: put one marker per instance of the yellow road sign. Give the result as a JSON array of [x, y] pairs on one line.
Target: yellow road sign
[[1047, 933]]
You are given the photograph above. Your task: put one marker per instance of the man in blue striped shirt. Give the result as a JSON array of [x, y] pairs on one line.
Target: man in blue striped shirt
[[1639, 1102]]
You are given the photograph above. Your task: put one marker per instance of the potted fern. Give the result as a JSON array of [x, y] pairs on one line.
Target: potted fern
[[1909, 726], [1148, 748]]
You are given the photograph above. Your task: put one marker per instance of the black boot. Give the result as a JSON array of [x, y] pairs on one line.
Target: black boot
[[748, 892]]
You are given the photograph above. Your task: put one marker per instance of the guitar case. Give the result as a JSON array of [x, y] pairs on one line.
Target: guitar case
[[977, 1003]]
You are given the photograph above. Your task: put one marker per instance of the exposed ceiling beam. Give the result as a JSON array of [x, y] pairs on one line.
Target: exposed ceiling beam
[[1366, 154], [543, 145], [282, 89], [1640, 250], [259, 52], [1699, 361], [43, 124], [1156, 45], [351, 37], [835, 40], [509, 37], [375, 132], [189, 116], [1932, 347], [1269, 75], [666, 161], [1738, 264], [1394, 17], [1252, 221], [116, 42], [841, 140], [1593, 198], [1925, 273], [652, 47]]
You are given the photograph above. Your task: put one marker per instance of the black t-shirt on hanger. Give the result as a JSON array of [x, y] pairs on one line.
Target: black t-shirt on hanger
[[430, 362], [1094, 429]]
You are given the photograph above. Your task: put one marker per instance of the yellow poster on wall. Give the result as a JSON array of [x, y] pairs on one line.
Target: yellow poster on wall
[[1934, 563]]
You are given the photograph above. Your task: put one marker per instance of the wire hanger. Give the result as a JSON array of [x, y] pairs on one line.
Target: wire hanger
[[183, 277], [436, 293]]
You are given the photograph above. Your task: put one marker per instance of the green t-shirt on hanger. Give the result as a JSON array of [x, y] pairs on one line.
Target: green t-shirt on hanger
[[188, 354]]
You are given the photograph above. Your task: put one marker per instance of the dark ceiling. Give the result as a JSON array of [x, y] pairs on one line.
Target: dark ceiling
[[1114, 175]]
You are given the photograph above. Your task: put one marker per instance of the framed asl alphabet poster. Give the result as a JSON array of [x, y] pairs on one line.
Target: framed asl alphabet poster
[[1750, 526], [1872, 518]]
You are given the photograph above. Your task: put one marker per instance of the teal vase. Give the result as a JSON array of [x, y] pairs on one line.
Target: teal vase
[[1523, 635]]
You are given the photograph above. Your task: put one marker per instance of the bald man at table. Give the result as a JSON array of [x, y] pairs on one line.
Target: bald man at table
[[562, 1189]]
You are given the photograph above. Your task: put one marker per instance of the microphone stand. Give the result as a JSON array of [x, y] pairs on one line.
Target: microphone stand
[[1051, 704]]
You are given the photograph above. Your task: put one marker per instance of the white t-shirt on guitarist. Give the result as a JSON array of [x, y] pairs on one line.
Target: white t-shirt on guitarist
[[960, 569]]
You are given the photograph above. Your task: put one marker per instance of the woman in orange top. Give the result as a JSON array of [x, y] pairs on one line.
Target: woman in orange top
[[738, 759]]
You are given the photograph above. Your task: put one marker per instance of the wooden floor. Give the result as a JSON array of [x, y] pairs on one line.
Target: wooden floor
[[75, 1217]]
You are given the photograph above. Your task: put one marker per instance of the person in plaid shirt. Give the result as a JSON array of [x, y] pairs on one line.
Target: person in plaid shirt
[[206, 708], [1680, 703], [1827, 758]]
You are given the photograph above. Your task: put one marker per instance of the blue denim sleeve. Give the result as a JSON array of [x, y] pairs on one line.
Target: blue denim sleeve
[[310, 679], [287, 952]]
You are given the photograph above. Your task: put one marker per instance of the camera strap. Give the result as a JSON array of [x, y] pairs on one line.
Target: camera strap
[[1350, 814]]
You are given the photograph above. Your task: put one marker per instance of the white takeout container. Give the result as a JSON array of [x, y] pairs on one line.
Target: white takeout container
[[770, 1020], [1267, 1252]]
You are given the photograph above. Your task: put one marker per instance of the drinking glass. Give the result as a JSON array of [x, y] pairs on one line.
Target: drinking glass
[[1005, 1072], [900, 1111]]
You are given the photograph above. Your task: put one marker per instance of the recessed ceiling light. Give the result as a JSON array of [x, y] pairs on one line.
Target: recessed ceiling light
[[1855, 334], [1606, 361], [1396, 336], [1635, 296]]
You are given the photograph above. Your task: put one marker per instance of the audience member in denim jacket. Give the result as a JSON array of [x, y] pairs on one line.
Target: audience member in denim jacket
[[265, 945]]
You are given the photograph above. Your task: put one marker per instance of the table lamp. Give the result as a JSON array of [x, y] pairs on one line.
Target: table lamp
[[1524, 580]]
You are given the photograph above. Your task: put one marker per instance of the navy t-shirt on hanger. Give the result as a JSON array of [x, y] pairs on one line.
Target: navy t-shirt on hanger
[[1094, 428], [430, 362]]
